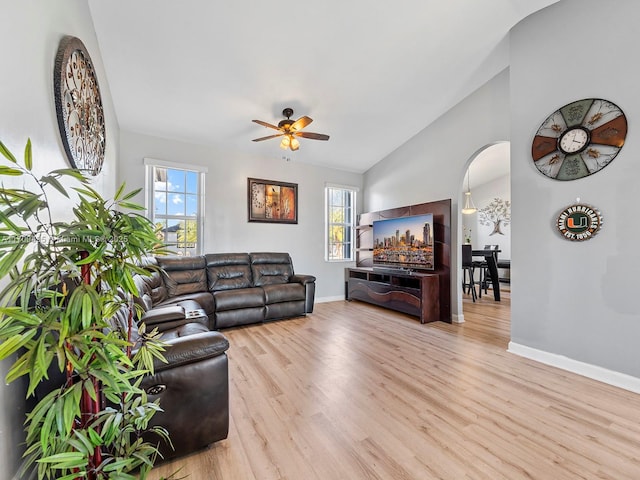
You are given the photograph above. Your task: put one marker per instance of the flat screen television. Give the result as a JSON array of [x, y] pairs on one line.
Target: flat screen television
[[404, 242]]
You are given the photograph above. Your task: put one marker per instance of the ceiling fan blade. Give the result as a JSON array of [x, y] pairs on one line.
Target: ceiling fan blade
[[300, 123], [314, 136], [267, 138], [265, 124]]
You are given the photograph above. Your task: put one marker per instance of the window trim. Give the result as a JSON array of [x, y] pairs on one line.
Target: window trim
[[150, 163], [354, 197]]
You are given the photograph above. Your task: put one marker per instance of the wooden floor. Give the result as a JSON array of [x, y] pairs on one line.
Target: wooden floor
[[354, 391]]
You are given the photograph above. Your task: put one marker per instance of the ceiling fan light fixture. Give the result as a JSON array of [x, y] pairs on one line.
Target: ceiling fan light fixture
[[288, 128]]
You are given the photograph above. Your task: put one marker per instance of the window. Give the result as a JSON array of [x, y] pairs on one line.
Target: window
[[175, 205], [340, 215]]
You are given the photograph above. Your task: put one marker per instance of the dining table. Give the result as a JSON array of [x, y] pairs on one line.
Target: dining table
[[491, 257]]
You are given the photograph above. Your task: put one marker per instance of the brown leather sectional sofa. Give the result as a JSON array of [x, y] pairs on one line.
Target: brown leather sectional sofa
[[187, 298], [232, 288]]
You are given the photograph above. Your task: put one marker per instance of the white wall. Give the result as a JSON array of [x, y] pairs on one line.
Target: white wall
[[576, 299], [226, 227], [431, 166], [29, 38], [482, 196]]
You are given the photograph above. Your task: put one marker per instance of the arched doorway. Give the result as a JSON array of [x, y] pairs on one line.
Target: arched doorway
[[487, 177]]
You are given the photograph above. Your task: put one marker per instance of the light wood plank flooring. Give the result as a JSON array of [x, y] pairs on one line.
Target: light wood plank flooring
[[355, 391]]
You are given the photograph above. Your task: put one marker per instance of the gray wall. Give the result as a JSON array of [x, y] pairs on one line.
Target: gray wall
[[29, 38], [226, 227], [576, 299], [431, 166]]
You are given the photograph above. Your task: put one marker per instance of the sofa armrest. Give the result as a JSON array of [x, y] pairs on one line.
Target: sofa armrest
[[167, 317], [303, 279], [193, 391], [192, 348], [309, 283], [162, 314]]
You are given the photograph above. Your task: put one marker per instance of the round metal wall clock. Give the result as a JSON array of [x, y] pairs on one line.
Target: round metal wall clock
[[79, 106], [579, 222], [579, 139]]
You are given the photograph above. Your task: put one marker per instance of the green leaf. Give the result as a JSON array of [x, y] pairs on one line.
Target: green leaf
[[50, 180], [131, 206], [16, 342], [19, 368], [87, 313], [8, 155], [132, 194], [4, 220], [96, 439], [24, 317], [119, 192], [66, 458], [69, 172], [84, 439], [28, 156], [11, 260], [12, 172], [88, 192]]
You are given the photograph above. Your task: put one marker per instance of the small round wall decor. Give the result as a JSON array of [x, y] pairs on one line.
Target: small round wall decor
[[579, 139], [79, 106], [579, 222]]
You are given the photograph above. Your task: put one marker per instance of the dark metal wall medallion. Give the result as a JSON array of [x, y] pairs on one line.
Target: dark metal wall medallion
[[579, 222], [79, 106], [579, 139]]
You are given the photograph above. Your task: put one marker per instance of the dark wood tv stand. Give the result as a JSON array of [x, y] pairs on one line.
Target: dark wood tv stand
[[414, 293]]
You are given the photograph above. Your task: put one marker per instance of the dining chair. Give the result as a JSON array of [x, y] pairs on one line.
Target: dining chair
[[485, 274], [468, 269]]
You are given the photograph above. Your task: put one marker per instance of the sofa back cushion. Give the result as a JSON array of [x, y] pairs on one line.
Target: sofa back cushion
[[226, 271], [183, 274], [151, 288], [269, 268]]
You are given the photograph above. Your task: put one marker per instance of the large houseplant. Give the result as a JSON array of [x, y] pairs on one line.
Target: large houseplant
[[61, 283]]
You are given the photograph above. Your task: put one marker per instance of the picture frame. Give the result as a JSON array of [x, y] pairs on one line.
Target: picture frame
[[271, 201]]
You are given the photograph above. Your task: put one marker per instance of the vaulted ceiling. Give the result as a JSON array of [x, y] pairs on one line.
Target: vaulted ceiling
[[370, 74]]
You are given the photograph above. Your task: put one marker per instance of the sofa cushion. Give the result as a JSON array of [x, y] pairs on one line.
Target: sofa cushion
[[226, 271], [151, 289], [239, 298], [270, 268], [276, 311], [183, 331], [283, 293], [241, 316], [157, 290], [204, 299], [184, 274]]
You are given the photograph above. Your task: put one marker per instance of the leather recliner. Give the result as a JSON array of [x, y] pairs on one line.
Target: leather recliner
[[194, 379]]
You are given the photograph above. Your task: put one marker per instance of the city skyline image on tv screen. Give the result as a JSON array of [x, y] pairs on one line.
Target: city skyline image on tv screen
[[404, 242]]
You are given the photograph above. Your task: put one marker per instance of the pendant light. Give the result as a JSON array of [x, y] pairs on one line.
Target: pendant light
[[469, 206]]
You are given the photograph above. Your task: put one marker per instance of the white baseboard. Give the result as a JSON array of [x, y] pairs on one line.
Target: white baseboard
[[594, 372], [457, 318], [329, 299]]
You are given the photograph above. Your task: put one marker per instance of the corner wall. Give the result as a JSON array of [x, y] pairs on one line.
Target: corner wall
[[31, 32], [576, 300], [431, 165]]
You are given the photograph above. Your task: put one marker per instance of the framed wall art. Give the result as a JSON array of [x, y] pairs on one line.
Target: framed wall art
[[271, 201], [79, 107]]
